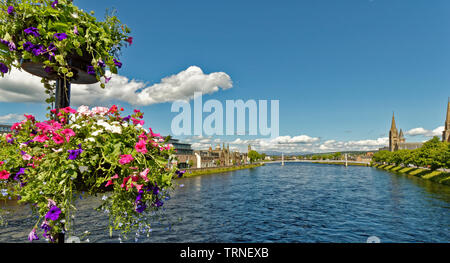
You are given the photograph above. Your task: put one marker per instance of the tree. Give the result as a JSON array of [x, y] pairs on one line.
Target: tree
[[254, 156]]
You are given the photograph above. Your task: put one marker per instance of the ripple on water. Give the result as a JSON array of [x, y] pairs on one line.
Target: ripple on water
[[299, 202]]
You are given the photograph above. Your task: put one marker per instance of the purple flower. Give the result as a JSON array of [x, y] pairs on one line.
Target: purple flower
[[101, 63], [74, 154], [117, 63], [75, 30], [46, 227], [107, 79], [32, 31], [3, 69], [38, 50], [10, 10], [4, 42], [54, 4], [140, 207], [19, 173], [158, 203], [60, 36], [53, 213], [32, 236], [90, 70], [180, 173], [127, 118], [28, 46], [12, 46], [48, 69]]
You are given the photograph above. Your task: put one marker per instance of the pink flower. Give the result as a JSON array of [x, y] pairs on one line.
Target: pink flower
[[26, 157], [125, 159], [84, 110], [4, 175], [57, 139], [157, 135], [110, 182], [16, 126], [144, 174], [143, 136], [138, 186], [100, 110], [141, 147], [1, 163], [68, 133], [41, 138], [115, 177], [136, 121]]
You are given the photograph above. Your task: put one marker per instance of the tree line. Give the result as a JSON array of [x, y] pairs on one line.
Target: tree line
[[433, 154]]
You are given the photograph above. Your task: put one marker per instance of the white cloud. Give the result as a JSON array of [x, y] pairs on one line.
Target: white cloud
[[11, 118], [424, 132], [20, 86]]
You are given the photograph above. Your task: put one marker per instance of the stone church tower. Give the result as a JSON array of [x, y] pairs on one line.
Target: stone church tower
[[401, 137], [393, 136], [446, 133]]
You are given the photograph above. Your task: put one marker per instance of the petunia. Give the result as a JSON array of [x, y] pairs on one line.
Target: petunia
[[38, 50], [125, 159], [41, 138], [33, 236], [74, 154], [100, 63], [10, 10], [130, 40], [136, 121], [180, 173], [75, 30], [60, 36], [12, 46], [57, 139], [19, 173], [26, 157], [54, 3], [107, 79], [4, 175], [28, 46], [53, 213], [32, 31], [68, 133], [117, 63], [90, 70], [3, 68], [141, 147], [140, 207]]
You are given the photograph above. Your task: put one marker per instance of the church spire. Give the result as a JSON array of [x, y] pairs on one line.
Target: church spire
[[446, 132], [393, 126]]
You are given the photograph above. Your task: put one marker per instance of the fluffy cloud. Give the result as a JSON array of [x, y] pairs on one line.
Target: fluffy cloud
[[11, 118], [20, 86], [427, 133]]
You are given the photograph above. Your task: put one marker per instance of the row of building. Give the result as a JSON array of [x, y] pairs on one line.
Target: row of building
[[217, 157]]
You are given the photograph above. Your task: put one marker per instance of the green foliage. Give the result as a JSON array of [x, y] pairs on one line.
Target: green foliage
[[433, 154], [254, 156]]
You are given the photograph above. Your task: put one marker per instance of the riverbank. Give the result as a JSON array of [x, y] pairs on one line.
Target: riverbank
[[214, 170], [433, 176]]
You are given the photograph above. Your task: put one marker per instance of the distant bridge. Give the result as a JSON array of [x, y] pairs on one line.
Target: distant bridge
[[320, 161]]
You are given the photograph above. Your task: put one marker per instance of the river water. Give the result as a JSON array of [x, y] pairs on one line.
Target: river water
[[298, 202]]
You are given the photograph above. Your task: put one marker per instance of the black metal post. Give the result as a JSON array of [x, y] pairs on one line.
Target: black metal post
[[62, 96], [62, 100]]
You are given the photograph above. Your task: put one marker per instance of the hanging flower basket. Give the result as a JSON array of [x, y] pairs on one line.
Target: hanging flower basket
[[47, 164], [54, 39]]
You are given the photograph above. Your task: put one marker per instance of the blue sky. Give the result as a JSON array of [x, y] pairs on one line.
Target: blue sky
[[338, 68]]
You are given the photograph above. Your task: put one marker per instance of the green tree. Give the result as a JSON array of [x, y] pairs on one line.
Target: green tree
[[254, 156]]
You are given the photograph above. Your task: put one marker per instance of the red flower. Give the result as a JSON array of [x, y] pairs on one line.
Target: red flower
[[4, 175], [57, 139], [130, 40], [113, 109]]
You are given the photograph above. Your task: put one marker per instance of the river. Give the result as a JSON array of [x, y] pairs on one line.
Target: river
[[298, 202]]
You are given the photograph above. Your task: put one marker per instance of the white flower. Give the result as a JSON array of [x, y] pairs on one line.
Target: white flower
[[100, 110], [84, 110], [96, 133], [90, 139], [75, 126]]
